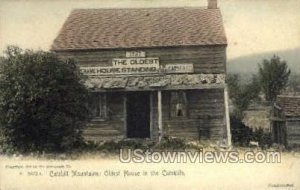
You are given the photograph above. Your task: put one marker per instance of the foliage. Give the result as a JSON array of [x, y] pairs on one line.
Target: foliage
[[264, 139], [114, 147], [294, 82], [42, 101], [242, 94], [241, 134], [273, 77], [169, 143]]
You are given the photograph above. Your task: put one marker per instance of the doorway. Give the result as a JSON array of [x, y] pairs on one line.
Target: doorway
[[138, 114]]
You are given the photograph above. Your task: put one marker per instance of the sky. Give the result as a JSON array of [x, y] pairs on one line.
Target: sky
[[252, 26]]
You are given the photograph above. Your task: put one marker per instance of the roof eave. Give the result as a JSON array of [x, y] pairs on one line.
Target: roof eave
[[132, 48]]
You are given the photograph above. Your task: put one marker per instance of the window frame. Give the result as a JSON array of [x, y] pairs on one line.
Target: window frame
[[178, 99], [99, 109]]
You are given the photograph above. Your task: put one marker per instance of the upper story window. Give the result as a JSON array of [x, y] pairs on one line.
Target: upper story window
[[178, 104]]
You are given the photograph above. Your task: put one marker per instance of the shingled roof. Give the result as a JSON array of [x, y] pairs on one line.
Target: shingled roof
[[290, 105], [140, 27]]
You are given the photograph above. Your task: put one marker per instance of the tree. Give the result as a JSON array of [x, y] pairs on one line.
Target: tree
[[240, 94], [294, 82], [241, 134], [42, 101], [273, 76]]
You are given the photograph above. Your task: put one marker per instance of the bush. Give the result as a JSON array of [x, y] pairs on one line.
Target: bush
[[169, 143], [115, 146], [42, 101], [241, 134], [264, 139]]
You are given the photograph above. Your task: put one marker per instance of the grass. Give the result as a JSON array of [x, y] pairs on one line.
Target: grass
[[109, 149]]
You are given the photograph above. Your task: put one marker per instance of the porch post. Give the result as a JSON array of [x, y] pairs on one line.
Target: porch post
[[125, 114], [159, 107], [151, 115], [226, 99]]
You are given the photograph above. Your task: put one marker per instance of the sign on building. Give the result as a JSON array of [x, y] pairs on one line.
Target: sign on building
[[135, 54], [125, 66], [179, 68], [135, 63]]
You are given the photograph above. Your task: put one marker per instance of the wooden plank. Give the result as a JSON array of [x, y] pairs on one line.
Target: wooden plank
[[177, 87], [206, 59], [125, 113], [151, 115], [102, 133], [227, 118], [103, 138], [159, 111], [206, 114]]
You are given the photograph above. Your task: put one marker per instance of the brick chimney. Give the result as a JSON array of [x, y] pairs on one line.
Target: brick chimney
[[212, 4]]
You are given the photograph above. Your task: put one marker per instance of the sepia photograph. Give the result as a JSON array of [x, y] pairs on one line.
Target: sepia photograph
[[149, 94]]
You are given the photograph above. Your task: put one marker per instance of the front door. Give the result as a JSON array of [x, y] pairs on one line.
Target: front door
[[138, 115]]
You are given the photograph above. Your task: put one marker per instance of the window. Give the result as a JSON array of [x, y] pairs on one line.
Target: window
[[98, 105], [178, 104]]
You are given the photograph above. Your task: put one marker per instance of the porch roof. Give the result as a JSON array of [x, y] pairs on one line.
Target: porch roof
[[162, 82]]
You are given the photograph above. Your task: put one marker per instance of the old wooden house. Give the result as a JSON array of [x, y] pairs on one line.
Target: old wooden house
[[286, 121], [152, 72]]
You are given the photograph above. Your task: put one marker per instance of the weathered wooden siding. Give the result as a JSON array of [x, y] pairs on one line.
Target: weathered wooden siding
[[113, 127], [205, 120], [293, 132], [205, 107], [206, 59]]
